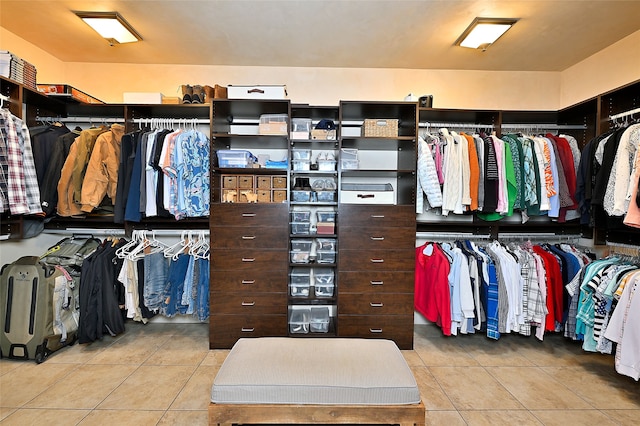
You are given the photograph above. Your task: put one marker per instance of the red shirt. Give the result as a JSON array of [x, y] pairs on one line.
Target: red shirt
[[432, 294], [555, 294]]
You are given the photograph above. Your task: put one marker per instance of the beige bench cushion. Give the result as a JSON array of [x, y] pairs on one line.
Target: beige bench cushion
[[280, 370]]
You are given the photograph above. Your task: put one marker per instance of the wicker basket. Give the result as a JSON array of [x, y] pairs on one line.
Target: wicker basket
[[379, 127]]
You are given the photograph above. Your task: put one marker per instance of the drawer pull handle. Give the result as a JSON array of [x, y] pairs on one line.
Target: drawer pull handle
[[377, 238], [377, 216], [248, 214], [375, 330], [377, 260], [376, 305], [248, 237], [248, 303], [376, 282], [248, 259], [247, 329], [248, 281]]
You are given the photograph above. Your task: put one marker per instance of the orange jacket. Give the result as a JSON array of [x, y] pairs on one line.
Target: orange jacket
[[101, 176], [66, 206]]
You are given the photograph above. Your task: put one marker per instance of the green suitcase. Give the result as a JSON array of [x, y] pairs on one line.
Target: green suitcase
[[30, 290]]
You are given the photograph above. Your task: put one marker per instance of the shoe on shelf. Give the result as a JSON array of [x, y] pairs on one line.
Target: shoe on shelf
[[187, 93], [198, 95], [318, 185], [330, 184], [322, 156], [330, 156]]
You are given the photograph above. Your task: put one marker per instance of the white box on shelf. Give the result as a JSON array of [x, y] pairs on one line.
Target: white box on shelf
[[363, 193], [257, 92], [142, 98]]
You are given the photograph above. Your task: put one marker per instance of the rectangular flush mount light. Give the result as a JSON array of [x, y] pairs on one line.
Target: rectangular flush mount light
[[110, 25], [484, 31]]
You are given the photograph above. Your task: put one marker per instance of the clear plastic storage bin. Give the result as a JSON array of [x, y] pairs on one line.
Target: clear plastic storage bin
[[326, 165], [326, 196], [301, 165], [301, 216], [300, 128], [299, 321], [274, 124], [300, 228], [301, 196], [349, 159], [232, 158], [326, 216], [319, 319], [301, 154], [299, 282], [326, 256]]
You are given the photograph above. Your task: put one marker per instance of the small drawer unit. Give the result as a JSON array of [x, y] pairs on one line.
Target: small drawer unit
[[253, 189]]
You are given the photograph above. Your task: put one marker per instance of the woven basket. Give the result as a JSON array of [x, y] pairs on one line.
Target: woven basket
[[379, 127]]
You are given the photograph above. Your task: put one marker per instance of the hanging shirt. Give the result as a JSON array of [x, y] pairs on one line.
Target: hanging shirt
[[432, 295], [21, 179], [427, 182]]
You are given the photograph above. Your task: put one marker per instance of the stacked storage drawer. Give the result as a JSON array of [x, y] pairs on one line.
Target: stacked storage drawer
[[376, 272], [249, 263]]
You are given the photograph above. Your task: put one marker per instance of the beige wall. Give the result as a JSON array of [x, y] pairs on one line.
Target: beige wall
[[615, 66], [326, 86], [50, 69]]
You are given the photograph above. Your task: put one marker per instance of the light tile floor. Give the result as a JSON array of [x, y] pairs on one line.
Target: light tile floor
[[161, 374]]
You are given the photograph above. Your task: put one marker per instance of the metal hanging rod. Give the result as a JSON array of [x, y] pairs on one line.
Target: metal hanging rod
[[121, 232], [547, 236], [82, 119], [624, 249], [624, 114], [451, 236], [543, 126], [160, 120], [427, 124]]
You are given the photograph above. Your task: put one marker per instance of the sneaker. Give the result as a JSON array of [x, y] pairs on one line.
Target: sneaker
[[318, 185], [329, 184]]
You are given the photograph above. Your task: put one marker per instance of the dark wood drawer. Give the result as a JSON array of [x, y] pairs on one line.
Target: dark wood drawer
[[250, 214], [375, 304], [225, 330], [398, 328], [377, 237], [256, 260], [249, 281], [248, 304], [250, 237], [378, 282], [395, 216], [377, 260]]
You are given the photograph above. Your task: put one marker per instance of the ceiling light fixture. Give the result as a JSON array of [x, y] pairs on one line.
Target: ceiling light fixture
[[483, 32], [110, 25]]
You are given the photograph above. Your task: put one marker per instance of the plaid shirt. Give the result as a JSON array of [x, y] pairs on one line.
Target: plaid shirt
[[16, 193], [23, 193], [4, 169], [30, 175]]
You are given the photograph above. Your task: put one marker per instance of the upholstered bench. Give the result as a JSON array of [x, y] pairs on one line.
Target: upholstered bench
[[279, 380]]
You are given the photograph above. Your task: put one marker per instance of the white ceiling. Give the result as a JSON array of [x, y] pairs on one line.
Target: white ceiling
[[550, 36]]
